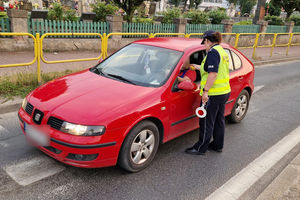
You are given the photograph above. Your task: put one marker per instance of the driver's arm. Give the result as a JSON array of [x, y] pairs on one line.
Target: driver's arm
[[185, 78]]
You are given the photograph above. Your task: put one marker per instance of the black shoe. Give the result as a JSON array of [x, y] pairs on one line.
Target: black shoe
[[193, 151], [210, 147]]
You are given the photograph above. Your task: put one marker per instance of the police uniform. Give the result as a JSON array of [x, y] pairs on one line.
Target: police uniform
[[213, 125]]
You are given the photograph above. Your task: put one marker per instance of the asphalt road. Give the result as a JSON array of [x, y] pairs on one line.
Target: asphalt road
[[273, 113]]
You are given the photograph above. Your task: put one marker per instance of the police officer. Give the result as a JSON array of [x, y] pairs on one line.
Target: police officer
[[215, 91]]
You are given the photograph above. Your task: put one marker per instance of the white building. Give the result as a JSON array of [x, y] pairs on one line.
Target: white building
[[213, 4]]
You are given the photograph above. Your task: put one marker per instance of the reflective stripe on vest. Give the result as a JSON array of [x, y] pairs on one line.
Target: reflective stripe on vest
[[221, 84]]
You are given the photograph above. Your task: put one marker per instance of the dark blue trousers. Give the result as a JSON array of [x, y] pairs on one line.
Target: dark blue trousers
[[213, 125]]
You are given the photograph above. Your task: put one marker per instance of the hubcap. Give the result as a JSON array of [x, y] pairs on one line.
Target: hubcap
[[142, 147], [241, 106]]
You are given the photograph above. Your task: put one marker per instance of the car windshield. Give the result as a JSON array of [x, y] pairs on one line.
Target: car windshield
[[140, 65]]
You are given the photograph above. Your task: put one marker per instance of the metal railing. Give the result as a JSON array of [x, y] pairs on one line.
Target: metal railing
[[38, 44]]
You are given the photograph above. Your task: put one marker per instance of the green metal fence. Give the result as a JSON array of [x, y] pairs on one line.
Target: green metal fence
[[245, 28], [276, 29], [5, 25], [49, 26], [147, 28], [201, 28], [296, 29]]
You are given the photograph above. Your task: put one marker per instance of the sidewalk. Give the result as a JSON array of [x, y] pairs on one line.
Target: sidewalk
[[286, 185]]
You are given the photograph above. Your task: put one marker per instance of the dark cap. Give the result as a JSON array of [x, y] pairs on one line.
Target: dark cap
[[208, 34]]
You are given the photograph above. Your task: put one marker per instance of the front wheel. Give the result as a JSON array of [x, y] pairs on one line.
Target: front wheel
[[240, 107], [139, 147]]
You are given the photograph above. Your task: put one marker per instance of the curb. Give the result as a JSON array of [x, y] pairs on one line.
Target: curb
[[265, 62], [10, 106]]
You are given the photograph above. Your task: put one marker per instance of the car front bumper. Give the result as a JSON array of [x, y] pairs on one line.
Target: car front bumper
[[88, 152]]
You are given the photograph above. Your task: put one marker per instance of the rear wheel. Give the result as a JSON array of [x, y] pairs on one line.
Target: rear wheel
[[139, 147], [240, 107]]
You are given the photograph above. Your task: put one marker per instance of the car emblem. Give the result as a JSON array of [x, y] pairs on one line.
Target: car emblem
[[37, 117]]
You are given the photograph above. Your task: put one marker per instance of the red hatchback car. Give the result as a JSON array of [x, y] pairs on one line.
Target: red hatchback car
[[119, 111]]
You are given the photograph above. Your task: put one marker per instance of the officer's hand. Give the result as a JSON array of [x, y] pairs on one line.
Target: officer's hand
[[205, 97]]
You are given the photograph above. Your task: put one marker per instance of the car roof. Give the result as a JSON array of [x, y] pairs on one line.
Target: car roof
[[174, 43]]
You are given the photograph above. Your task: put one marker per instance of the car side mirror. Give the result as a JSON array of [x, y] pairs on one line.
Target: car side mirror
[[187, 85]]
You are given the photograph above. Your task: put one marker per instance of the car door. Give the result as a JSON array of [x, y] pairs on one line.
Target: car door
[[183, 105], [236, 79]]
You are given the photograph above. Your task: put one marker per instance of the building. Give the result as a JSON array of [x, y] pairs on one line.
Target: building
[[213, 4]]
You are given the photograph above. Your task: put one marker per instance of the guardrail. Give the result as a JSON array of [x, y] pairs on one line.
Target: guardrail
[[38, 44]]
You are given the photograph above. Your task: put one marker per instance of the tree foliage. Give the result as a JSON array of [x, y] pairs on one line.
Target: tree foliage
[[58, 12], [216, 16], [102, 10], [170, 15], [289, 6], [197, 17], [274, 9], [245, 5], [274, 20], [129, 6]]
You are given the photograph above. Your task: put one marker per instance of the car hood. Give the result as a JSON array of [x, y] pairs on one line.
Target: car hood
[[86, 97]]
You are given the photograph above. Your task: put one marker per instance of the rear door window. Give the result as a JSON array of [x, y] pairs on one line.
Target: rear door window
[[236, 61], [231, 68]]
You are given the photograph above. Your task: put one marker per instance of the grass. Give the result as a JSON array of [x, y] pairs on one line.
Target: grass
[[19, 85]]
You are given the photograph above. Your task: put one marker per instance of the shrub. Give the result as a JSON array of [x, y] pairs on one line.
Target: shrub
[[3, 15], [249, 22], [170, 15], [296, 19], [216, 16], [102, 10], [58, 12], [274, 20], [197, 17], [142, 20]]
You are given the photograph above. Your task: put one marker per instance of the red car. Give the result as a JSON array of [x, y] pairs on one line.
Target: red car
[[119, 111]]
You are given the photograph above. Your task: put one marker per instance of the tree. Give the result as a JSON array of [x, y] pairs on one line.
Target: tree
[[129, 7], [197, 3], [245, 5], [102, 10], [175, 2], [273, 9], [289, 6]]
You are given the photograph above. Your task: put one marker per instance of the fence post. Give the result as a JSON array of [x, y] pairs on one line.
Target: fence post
[[263, 26], [115, 25], [228, 24], [290, 26], [19, 21], [180, 25]]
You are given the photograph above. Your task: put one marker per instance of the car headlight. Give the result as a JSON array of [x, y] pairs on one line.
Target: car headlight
[[24, 103], [76, 129]]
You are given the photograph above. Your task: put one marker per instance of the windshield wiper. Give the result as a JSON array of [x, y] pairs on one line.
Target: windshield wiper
[[121, 78], [98, 71]]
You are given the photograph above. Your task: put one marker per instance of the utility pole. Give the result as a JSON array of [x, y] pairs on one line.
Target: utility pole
[[260, 11]]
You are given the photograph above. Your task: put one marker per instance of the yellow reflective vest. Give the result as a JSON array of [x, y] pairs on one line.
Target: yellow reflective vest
[[221, 85]]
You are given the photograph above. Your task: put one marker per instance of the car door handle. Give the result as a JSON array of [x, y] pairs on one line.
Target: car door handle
[[240, 78]]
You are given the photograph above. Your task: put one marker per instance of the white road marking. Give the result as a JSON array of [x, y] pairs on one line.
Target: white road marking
[[257, 88], [3, 130], [35, 169], [235, 187], [3, 144]]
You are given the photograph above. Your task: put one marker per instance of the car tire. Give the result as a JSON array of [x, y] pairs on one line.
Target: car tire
[[139, 147], [240, 107]]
